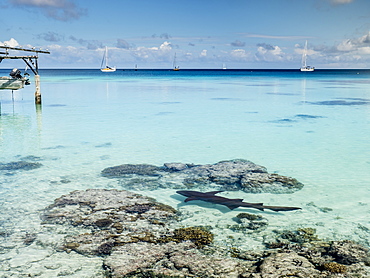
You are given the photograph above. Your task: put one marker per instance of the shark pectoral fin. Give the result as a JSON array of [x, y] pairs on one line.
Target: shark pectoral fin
[[190, 199]]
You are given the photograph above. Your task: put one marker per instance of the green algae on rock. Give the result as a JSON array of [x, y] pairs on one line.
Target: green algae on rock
[[198, 235], [335, 267]]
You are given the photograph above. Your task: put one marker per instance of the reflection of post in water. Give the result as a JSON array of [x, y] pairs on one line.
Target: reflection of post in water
[[39, 118], [38, 92], [304, 90], [16, 80]]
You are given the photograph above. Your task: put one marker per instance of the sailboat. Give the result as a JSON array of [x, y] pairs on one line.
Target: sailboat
[[105, 59], [175, 67], [304, 61]]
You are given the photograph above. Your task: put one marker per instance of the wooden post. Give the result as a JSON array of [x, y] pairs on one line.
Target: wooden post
[[31, 62], [38, 92]]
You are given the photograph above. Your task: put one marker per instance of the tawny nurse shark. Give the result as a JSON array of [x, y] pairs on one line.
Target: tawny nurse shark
[[230, 203]]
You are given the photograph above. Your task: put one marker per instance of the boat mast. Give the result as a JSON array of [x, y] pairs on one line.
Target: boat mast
[[106, 56], [304, 56], [174, 61]]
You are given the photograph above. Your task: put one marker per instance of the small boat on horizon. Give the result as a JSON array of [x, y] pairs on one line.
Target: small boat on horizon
[[175, 67], [304, 66], [105, 59]]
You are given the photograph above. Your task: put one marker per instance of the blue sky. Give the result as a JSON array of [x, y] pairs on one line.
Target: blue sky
[[203, 33]]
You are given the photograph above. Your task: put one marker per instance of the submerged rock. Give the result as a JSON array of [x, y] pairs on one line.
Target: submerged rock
[[114, 218], [20, 165], [265, 182], [129, 169], [235, 174], [253, 222]]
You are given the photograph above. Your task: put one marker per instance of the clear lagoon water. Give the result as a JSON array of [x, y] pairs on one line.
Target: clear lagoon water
[[313, 126]]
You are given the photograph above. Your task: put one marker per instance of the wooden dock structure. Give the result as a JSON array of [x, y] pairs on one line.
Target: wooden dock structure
[[16, 81]]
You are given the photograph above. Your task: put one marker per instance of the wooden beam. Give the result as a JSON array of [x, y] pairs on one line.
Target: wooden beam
[[30, 64], [25, 49], [18, 57]]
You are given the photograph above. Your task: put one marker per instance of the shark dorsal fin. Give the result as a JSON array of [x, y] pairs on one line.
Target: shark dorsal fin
[[232, 206]]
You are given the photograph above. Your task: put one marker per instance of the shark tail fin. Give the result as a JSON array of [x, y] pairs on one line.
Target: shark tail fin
[[275, 208]]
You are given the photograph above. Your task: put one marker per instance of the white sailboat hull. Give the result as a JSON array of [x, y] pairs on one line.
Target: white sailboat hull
[[108, 69], [307, 69]]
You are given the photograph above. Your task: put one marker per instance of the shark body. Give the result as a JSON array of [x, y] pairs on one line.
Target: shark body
[[211, 197]]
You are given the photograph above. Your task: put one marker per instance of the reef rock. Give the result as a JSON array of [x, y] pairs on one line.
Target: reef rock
[[114, 218], [169, 260], [135, 236], [235, 174], [288, 265], [138, 237], [348, 252]]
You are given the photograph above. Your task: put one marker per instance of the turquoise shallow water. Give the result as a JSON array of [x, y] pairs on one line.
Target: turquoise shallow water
[[314, 127]]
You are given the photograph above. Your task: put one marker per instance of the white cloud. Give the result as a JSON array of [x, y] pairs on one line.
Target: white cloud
[[12, 43], [62, 10], [269, 53], [203, 53], [354, 44], [239, 53], [163, 53], [346, 45], [364, 50], [365, 39], [166, 46]]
